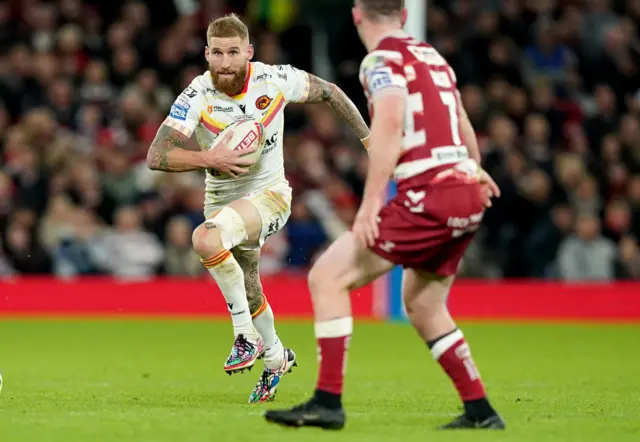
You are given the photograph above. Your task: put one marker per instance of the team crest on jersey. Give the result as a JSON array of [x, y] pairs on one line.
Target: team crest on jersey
[[263, 102]]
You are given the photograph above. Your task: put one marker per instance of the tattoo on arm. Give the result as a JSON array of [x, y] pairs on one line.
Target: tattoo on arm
[[323, 91], [166, 142]]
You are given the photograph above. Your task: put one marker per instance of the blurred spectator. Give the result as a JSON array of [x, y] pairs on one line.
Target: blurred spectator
[[587, 255], [180, 259], [545, 239], [131, 252], [305, 234], [22, 248], [547, 57], [82, 250], [628, 263]]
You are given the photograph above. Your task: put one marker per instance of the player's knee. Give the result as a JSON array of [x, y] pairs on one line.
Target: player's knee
[[206, 241], [321, 279], [314, 280], [224, 232]]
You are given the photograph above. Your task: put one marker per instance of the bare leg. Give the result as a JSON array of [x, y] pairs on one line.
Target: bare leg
[[344, 266], [425, 298]]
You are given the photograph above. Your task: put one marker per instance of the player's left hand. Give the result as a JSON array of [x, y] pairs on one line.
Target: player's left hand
[[365, 226]]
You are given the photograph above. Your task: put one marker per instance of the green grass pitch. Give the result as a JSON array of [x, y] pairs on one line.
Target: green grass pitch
[[162, 380]]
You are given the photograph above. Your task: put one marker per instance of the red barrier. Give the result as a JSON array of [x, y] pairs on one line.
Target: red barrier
[[538, 300], [289, 296]]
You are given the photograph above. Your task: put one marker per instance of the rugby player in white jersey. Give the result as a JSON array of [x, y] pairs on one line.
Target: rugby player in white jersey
[[243, 205]]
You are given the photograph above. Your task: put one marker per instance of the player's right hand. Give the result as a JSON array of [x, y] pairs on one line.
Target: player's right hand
[[227, 161], [489, 188]]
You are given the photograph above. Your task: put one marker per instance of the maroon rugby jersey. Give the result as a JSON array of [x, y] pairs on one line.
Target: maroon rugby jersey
[[432, 139]]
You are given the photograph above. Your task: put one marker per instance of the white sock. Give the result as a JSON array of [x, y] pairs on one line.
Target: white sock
[[264, 322], [227, 272]]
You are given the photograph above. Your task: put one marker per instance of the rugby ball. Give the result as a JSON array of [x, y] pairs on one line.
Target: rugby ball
[[247, 133]]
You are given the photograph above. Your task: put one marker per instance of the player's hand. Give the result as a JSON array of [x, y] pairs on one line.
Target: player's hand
[[365, 226], [489, 188], [230, 162]]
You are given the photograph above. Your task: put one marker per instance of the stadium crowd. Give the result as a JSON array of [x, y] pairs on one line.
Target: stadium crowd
[[552, 88]]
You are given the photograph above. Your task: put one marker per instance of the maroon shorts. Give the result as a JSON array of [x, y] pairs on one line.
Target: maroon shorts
[[430, 223]]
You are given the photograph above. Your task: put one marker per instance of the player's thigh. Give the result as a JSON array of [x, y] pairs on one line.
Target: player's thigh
[[273, 207], [425, 291], [347, 265], [249, 261]]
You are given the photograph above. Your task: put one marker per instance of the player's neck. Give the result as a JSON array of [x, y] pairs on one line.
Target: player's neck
[[377, 31]]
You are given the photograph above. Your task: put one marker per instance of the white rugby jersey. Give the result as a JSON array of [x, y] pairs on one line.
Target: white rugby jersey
[[202, 109]]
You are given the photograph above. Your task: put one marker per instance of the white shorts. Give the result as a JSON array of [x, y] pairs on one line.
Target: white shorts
[[273, 205]]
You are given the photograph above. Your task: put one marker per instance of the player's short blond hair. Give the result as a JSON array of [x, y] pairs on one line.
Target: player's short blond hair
[[382, 8], [228, 26]]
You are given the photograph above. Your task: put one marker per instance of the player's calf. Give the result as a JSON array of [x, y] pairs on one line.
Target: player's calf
[[425, 300], [261, 312]]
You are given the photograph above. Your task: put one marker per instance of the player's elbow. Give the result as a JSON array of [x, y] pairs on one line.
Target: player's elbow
[[152, 159]]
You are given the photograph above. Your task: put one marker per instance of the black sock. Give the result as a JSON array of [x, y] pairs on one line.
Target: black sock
[[479, 409], [433, 342], [328, 400]]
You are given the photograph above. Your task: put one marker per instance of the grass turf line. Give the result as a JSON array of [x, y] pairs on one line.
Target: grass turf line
[[162, 380]]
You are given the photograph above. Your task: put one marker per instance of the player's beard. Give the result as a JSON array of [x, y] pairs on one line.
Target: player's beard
[[230, 86]]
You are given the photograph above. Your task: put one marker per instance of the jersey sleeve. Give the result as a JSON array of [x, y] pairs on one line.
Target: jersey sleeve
[[294, 83], [184, 115], [382, 71]]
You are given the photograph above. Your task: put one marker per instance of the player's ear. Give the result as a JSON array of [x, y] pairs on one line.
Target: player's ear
[[250, 51], [404, 14], [356, 13], [206, 53]]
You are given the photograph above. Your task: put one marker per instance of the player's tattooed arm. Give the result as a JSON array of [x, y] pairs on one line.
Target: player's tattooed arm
[[324, 91], [169, 152]]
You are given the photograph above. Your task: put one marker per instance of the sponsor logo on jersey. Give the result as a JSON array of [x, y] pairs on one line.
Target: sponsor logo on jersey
[[282, 76], [243, 108], [274, 226], [263, 77], [180, 101], [247, 141], [227, 109], [263, 102], [178, 112], [190, 92], [270, 143], [379, 78]]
